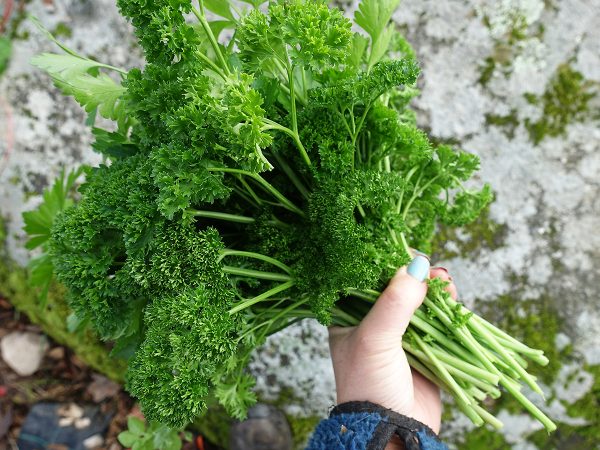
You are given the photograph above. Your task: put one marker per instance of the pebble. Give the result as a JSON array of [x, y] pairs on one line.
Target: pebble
[[23, 351], [93, 441]]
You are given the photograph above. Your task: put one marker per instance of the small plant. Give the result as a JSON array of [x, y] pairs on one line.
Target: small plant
[[154, 437]]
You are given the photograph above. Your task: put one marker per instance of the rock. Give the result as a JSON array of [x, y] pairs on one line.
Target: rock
[[23, 351], [266, 428], [43, 424], [57, 353], [84, 422], [93, 441], [71, 411], [102, 388]]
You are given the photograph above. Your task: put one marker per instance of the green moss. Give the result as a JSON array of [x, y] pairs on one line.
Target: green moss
[[302, 428], [5, 53], [576, 437], [486, 71], [483, 439], [470, 239], [62, 30], [52, 318], [566, 100], [508, 46], [507, 123], [16, 21]]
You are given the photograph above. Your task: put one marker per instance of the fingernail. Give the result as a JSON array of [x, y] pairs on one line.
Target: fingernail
[[419, 267], [440, 268]]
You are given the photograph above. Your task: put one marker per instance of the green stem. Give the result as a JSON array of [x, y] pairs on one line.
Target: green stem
[[508, 361], [244, 254], [259, 298], [211, 64], [409, 175], [244, 195], [360, 123], [511, 342], [250, 191], [348, 318], [464, 336], [264, 183], [420, 322], [416, 195], [465, 376], [466, 408], [284, 312], [271, 125], [291, 175], [361, 294], [211, 37], [534, 410], [292, 85], [405, 244], [489, 418], [361, 210], [222, 216], [258, 274], [493, 343], [445, 376]]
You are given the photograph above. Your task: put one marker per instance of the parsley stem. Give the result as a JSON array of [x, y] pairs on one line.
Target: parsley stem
[[222, 216], [409, 175], [211, 37], [244, 254], [416, 195], [259, 298], [292, 86], [211, 64], [271, 125], [534, 410], [250, 191], [291, 175], [462, 372], [494, 345], [446, 377], [258, 274], [349, 319], [360, 124], [489, 418], [264, 183], [405, 244]]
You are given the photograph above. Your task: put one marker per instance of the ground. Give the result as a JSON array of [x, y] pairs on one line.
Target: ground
[[514, 81]]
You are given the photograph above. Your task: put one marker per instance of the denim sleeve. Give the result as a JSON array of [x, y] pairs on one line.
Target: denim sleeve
[[367, 426]]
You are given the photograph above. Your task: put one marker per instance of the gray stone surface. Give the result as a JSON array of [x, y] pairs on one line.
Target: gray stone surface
[[547, 198]]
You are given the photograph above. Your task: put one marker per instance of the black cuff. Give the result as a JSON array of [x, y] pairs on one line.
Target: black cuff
[[412, 432]]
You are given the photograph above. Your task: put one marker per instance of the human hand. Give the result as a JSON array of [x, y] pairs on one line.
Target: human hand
[[369, 362]]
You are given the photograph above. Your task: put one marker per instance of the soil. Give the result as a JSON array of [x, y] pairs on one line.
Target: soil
[[64, 378]]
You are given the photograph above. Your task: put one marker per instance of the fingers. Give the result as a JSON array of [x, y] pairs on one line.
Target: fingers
[[441, 272], [393, 310]]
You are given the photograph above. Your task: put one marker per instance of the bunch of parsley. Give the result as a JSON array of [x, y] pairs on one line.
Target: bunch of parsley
[[255, 181]]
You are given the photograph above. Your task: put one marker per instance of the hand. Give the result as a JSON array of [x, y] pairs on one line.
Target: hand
[[369, 362]]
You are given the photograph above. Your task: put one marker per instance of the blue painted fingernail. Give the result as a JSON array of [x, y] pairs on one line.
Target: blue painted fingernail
[[419, 267]]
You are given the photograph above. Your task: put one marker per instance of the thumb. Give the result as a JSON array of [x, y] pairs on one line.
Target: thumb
[[393, 310]]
